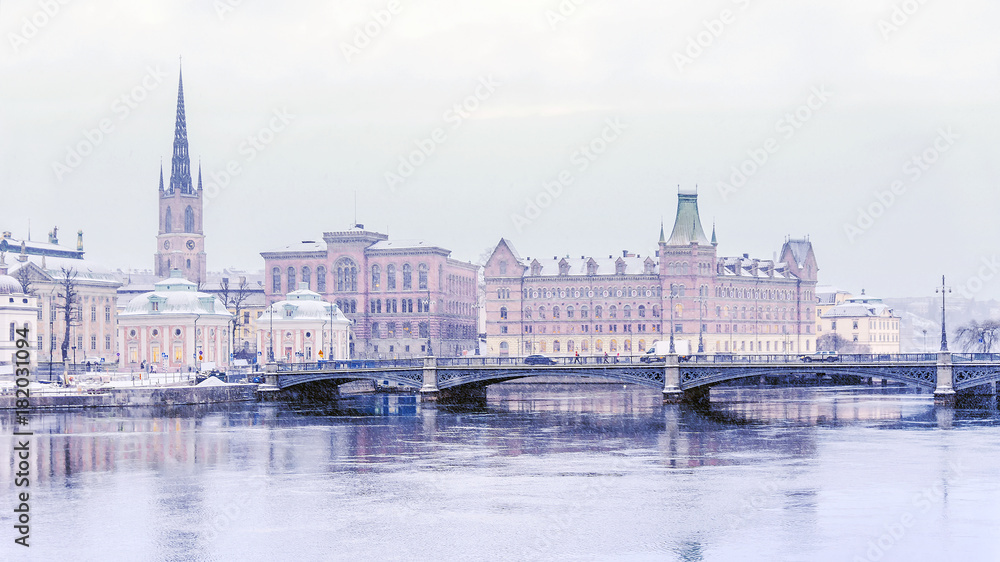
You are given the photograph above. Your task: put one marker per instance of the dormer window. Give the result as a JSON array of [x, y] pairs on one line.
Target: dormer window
[[591, 267], [536, 268], [563, 267], [620, 267]]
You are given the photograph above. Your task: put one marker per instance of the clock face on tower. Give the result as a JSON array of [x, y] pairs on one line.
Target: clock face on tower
[[190, 244], [166, 244]]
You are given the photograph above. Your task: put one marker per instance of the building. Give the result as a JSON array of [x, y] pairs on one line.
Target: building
[[304, 328], [175, 327], [401, 295], [18, 317], [622, 304], [181, 238], [827, 297], [866, 324], [45, 269]]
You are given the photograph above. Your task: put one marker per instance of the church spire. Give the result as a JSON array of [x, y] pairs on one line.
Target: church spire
[[200, 188], [180, 167], [714, 241], [161, 176]]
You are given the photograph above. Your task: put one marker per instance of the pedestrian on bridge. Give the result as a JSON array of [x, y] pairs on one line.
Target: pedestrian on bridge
[[576, 358]]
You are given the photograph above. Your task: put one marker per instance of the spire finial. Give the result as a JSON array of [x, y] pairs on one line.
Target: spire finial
[[715, 241], [663, 237], [200, 188]]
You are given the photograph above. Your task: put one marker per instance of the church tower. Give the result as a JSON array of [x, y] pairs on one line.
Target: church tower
[[180, 241]]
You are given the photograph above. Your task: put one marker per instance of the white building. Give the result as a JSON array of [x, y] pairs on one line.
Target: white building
[[302, 325], [18, 311], [866, 323], [174, 327]]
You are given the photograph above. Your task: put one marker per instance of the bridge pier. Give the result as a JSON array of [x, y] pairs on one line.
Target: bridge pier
[[271, 373], [672, 393], [429, 390], [944, 392]]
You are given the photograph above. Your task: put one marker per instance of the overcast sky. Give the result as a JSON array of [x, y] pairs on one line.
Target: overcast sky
[[622, 100]]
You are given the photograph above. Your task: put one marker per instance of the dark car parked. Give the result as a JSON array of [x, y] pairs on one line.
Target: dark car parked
[[538, 360]]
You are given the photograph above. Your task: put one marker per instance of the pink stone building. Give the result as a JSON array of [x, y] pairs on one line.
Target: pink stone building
[[622, 304], [401, 295]]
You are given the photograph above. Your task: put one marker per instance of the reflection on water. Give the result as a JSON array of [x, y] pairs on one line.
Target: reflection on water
[[541, 472]]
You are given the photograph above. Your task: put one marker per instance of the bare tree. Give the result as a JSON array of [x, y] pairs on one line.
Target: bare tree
[[23, 276], [235, 298], [830, 342], [978, 336], [70, 301]]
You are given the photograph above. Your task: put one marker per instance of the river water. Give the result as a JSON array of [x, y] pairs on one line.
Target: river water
[[558, 472]]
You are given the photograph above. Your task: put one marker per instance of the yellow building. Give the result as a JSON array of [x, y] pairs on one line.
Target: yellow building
[[865, 323]]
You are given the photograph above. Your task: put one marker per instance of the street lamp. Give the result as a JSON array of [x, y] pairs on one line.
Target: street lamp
[[672, 295], [925, 341], [701, 320], [944, 335], [270, 335]]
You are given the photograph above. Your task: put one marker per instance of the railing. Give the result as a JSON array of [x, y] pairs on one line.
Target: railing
[[972, 357], [348, 364]]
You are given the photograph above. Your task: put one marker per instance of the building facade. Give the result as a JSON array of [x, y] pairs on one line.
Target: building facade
[[402, 296], [92, 313], [622, 304], [174, 327], [18, 320], [303, 328], [180, 240], [866, 324]]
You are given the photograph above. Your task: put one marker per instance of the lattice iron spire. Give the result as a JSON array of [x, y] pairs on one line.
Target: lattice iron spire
[[161, 175], [180, 168], [199, 175]]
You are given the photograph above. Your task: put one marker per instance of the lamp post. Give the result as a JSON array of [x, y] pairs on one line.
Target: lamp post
[[925, 341], [672, 295], [944, 334], [270, 335], [701, 322], [330, 356]]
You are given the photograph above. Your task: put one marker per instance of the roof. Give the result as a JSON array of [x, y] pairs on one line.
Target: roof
[[303, 246], [852, 309], [86, 270], [687, 223], [384, 245], [800, 251], [634, 265]]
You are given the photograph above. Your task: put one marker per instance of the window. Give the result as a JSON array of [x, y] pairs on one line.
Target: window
[[555, 312], [376, 277], [422, 277], [321, 279], [569, 311], [276, 280], [555, 346], [347, 275], [107, 314], [407, 277], [527, 313], [503, 312], [390, 277], [504, 348], [168, 222], [291, 279], [503, 268], [307, 277], [425, 330], [642, 311], [584, 312], [189, 219], [598, 312], [375, 332], [628, 311], [93, 314], [855, 327], [612, 311]]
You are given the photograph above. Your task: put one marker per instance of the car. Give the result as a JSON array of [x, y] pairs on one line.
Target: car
[[828, 356], [538, 360]]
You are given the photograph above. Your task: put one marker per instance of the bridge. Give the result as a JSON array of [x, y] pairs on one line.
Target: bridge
[[681, 378]]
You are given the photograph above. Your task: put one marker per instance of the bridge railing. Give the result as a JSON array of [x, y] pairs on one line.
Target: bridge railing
[[482, 361], [800, 358], [350, 364], [973, 357]]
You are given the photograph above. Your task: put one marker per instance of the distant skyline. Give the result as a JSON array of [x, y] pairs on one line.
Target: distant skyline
[[867, 126]]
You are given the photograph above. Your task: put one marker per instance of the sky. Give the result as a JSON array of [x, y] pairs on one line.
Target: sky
[[565, 126]]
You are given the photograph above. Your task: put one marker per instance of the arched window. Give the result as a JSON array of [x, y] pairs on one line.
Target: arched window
[[375, 330], [612, 311], [347, 275], [504, 348], [376, 277], [503, 312], [642, 346], [390, 277], [407, 277], [584, 312], [613, 346], [627, 344], [569, 345], [541, 313], [583, 346], [422, 277], [307, 276], [321, 279], [628, 311], [555, 346], [569, 312], [642, 311], [527, 313], [189, 219], [168, 222], [555, 312], [598, 312], [678, 311], [291, 279], [598, 346]]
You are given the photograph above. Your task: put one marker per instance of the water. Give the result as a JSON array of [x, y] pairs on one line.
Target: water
[[589, 472]]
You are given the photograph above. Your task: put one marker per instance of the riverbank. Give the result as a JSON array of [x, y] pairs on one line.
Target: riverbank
[[138, 396]]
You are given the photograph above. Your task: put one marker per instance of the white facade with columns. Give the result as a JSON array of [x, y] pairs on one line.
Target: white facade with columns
[[302, 325], [18, 312], [175, 319]]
